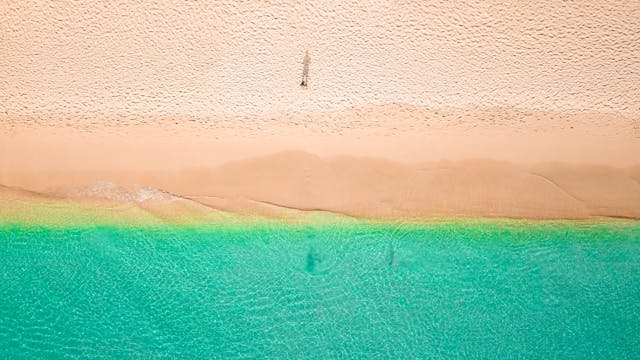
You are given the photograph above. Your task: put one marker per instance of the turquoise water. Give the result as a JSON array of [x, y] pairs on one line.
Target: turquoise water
[[356, 291]]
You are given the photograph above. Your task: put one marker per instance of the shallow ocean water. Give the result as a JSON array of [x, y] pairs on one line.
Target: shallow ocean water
[[481, 290]]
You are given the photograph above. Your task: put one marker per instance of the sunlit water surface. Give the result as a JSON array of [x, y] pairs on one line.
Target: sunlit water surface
[[481, 290]]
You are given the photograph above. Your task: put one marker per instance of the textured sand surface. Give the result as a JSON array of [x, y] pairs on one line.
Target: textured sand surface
[[157, 58], [413, 108]]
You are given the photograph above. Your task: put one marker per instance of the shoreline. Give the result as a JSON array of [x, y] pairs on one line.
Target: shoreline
[[242, 223], [64, 214], [395, 161], [295, 185], [295, 182]]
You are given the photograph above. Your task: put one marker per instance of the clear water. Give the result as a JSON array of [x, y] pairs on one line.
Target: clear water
[[359, 291]]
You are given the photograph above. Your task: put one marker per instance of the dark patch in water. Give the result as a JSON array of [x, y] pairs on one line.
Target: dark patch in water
[[312, 260], [391, 257]]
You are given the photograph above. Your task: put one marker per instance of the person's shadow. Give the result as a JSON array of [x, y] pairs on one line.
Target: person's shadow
[[305, 69]]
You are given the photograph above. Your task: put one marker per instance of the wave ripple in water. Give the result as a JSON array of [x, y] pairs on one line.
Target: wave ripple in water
[[445, 292]]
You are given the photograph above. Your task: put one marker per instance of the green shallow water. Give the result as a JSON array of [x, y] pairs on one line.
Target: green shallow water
[[479, 290]]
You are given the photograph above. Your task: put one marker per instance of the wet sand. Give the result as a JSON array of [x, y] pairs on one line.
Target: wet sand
[[456, 164]]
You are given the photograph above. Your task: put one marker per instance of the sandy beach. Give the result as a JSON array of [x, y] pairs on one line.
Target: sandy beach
[[413, 164], [406, 109]]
